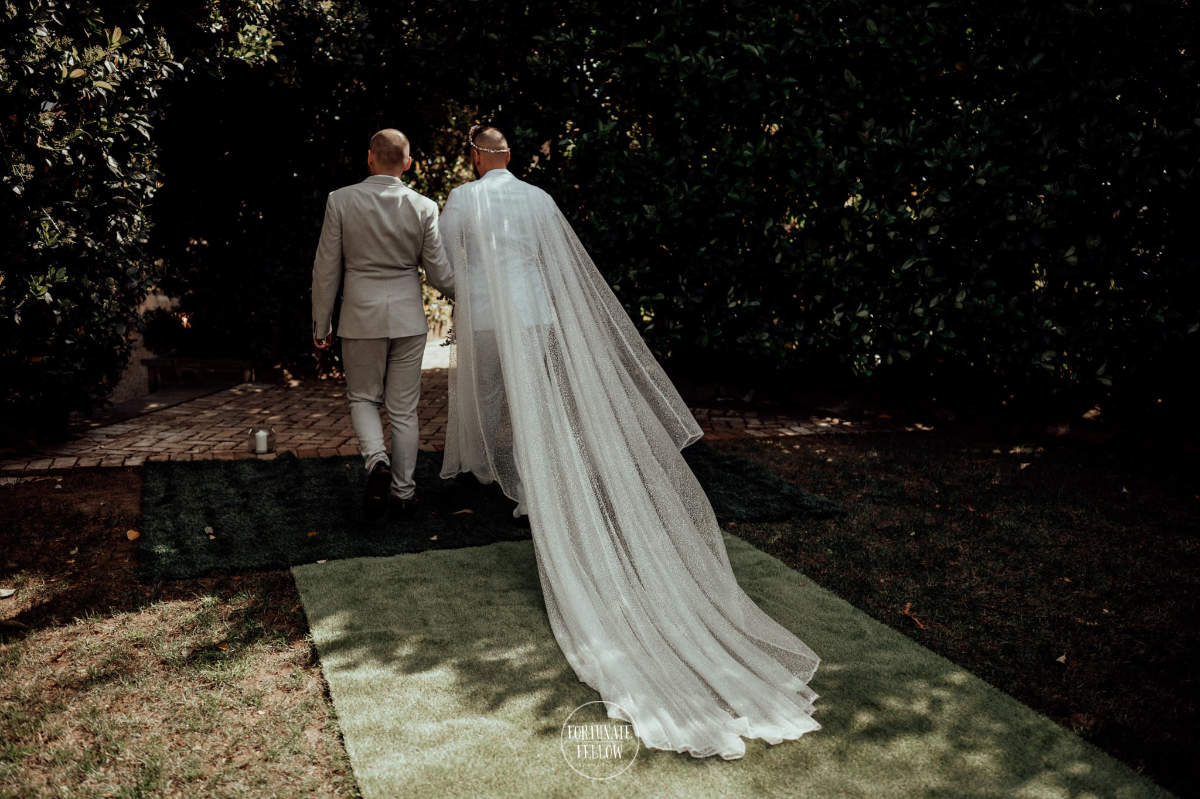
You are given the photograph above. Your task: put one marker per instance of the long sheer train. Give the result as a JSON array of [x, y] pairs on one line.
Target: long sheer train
[[554, 394]]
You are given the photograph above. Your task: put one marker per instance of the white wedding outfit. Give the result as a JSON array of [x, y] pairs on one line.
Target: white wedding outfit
[[554, 395]]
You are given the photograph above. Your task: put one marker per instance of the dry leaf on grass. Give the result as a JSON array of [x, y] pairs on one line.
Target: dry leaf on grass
[[908, 612], [132, 535], [5, 593]]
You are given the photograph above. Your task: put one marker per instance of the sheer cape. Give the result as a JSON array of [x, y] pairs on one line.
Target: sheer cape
[[554, 395]]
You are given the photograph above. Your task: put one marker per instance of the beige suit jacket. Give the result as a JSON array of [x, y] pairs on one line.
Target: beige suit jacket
[[376, 233]]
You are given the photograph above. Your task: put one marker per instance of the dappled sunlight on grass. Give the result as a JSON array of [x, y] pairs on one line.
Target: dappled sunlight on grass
[[116, 688], [898, 720]]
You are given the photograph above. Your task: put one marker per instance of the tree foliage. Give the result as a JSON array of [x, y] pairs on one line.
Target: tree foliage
[[965, 196], [77, 90], [997, 198], [81, 88]]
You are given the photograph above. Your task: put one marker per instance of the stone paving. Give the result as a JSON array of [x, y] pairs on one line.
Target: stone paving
[[310, 419]]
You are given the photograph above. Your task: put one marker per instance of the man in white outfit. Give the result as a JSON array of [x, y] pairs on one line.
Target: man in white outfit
[[556, 397], [375, 235]]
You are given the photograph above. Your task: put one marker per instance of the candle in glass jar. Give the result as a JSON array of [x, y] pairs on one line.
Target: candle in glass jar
[[260, 441]]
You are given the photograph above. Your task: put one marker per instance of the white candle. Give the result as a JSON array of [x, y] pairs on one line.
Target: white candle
[[260, 441]]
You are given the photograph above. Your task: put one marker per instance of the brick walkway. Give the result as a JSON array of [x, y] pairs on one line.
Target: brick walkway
[[312, 420]]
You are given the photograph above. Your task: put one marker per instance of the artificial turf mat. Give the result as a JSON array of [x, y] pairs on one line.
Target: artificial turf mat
[[447, 682], [205, 517]]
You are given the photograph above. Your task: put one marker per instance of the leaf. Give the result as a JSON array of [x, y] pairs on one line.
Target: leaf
[[103, 84], [224, 647], [1062, 658], [5, 593], [132, 535], [464, 510], [908, 612], [78, 73]]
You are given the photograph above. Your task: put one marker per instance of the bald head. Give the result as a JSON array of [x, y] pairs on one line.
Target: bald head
[[389, 153], [489, 149]]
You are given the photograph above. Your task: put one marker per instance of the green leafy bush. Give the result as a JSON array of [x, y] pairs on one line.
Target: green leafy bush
[[77, 96], [81, 94], [988, 201], [993, 202]]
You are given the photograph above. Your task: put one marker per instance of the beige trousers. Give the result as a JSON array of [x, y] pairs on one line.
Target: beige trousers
[[386, 372]]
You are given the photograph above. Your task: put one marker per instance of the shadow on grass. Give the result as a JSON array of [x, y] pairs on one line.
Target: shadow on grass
[[448, 636], [67, 553], [1063, 573], [109, 686]]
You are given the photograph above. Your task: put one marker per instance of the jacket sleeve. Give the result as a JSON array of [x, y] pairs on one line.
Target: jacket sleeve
[[433, 256], [327, 271]]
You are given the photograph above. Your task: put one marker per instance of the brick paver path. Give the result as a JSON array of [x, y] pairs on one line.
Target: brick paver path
[[312, 420]]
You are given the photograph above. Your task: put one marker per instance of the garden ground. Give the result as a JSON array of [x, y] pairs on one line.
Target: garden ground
[[1063, 572]]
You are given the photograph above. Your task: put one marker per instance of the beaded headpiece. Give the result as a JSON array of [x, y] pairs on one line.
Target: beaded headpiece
[[487, 149], [474, 134]]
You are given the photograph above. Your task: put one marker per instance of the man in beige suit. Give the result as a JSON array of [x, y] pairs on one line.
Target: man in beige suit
[[375, 235]]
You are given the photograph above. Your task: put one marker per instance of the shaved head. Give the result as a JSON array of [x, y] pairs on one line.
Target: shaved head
[[489, 148], [489, 138], [389, 148]]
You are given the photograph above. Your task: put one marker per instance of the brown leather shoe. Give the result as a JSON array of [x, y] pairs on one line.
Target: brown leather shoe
[[375, 498]]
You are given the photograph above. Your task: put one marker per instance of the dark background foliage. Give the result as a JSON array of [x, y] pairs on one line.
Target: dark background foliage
[[990, 204], [80, 169]]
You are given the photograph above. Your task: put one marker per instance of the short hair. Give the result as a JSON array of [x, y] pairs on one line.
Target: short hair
[[390, 147]]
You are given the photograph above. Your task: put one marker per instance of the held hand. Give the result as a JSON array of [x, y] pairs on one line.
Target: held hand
[[323, 344]]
